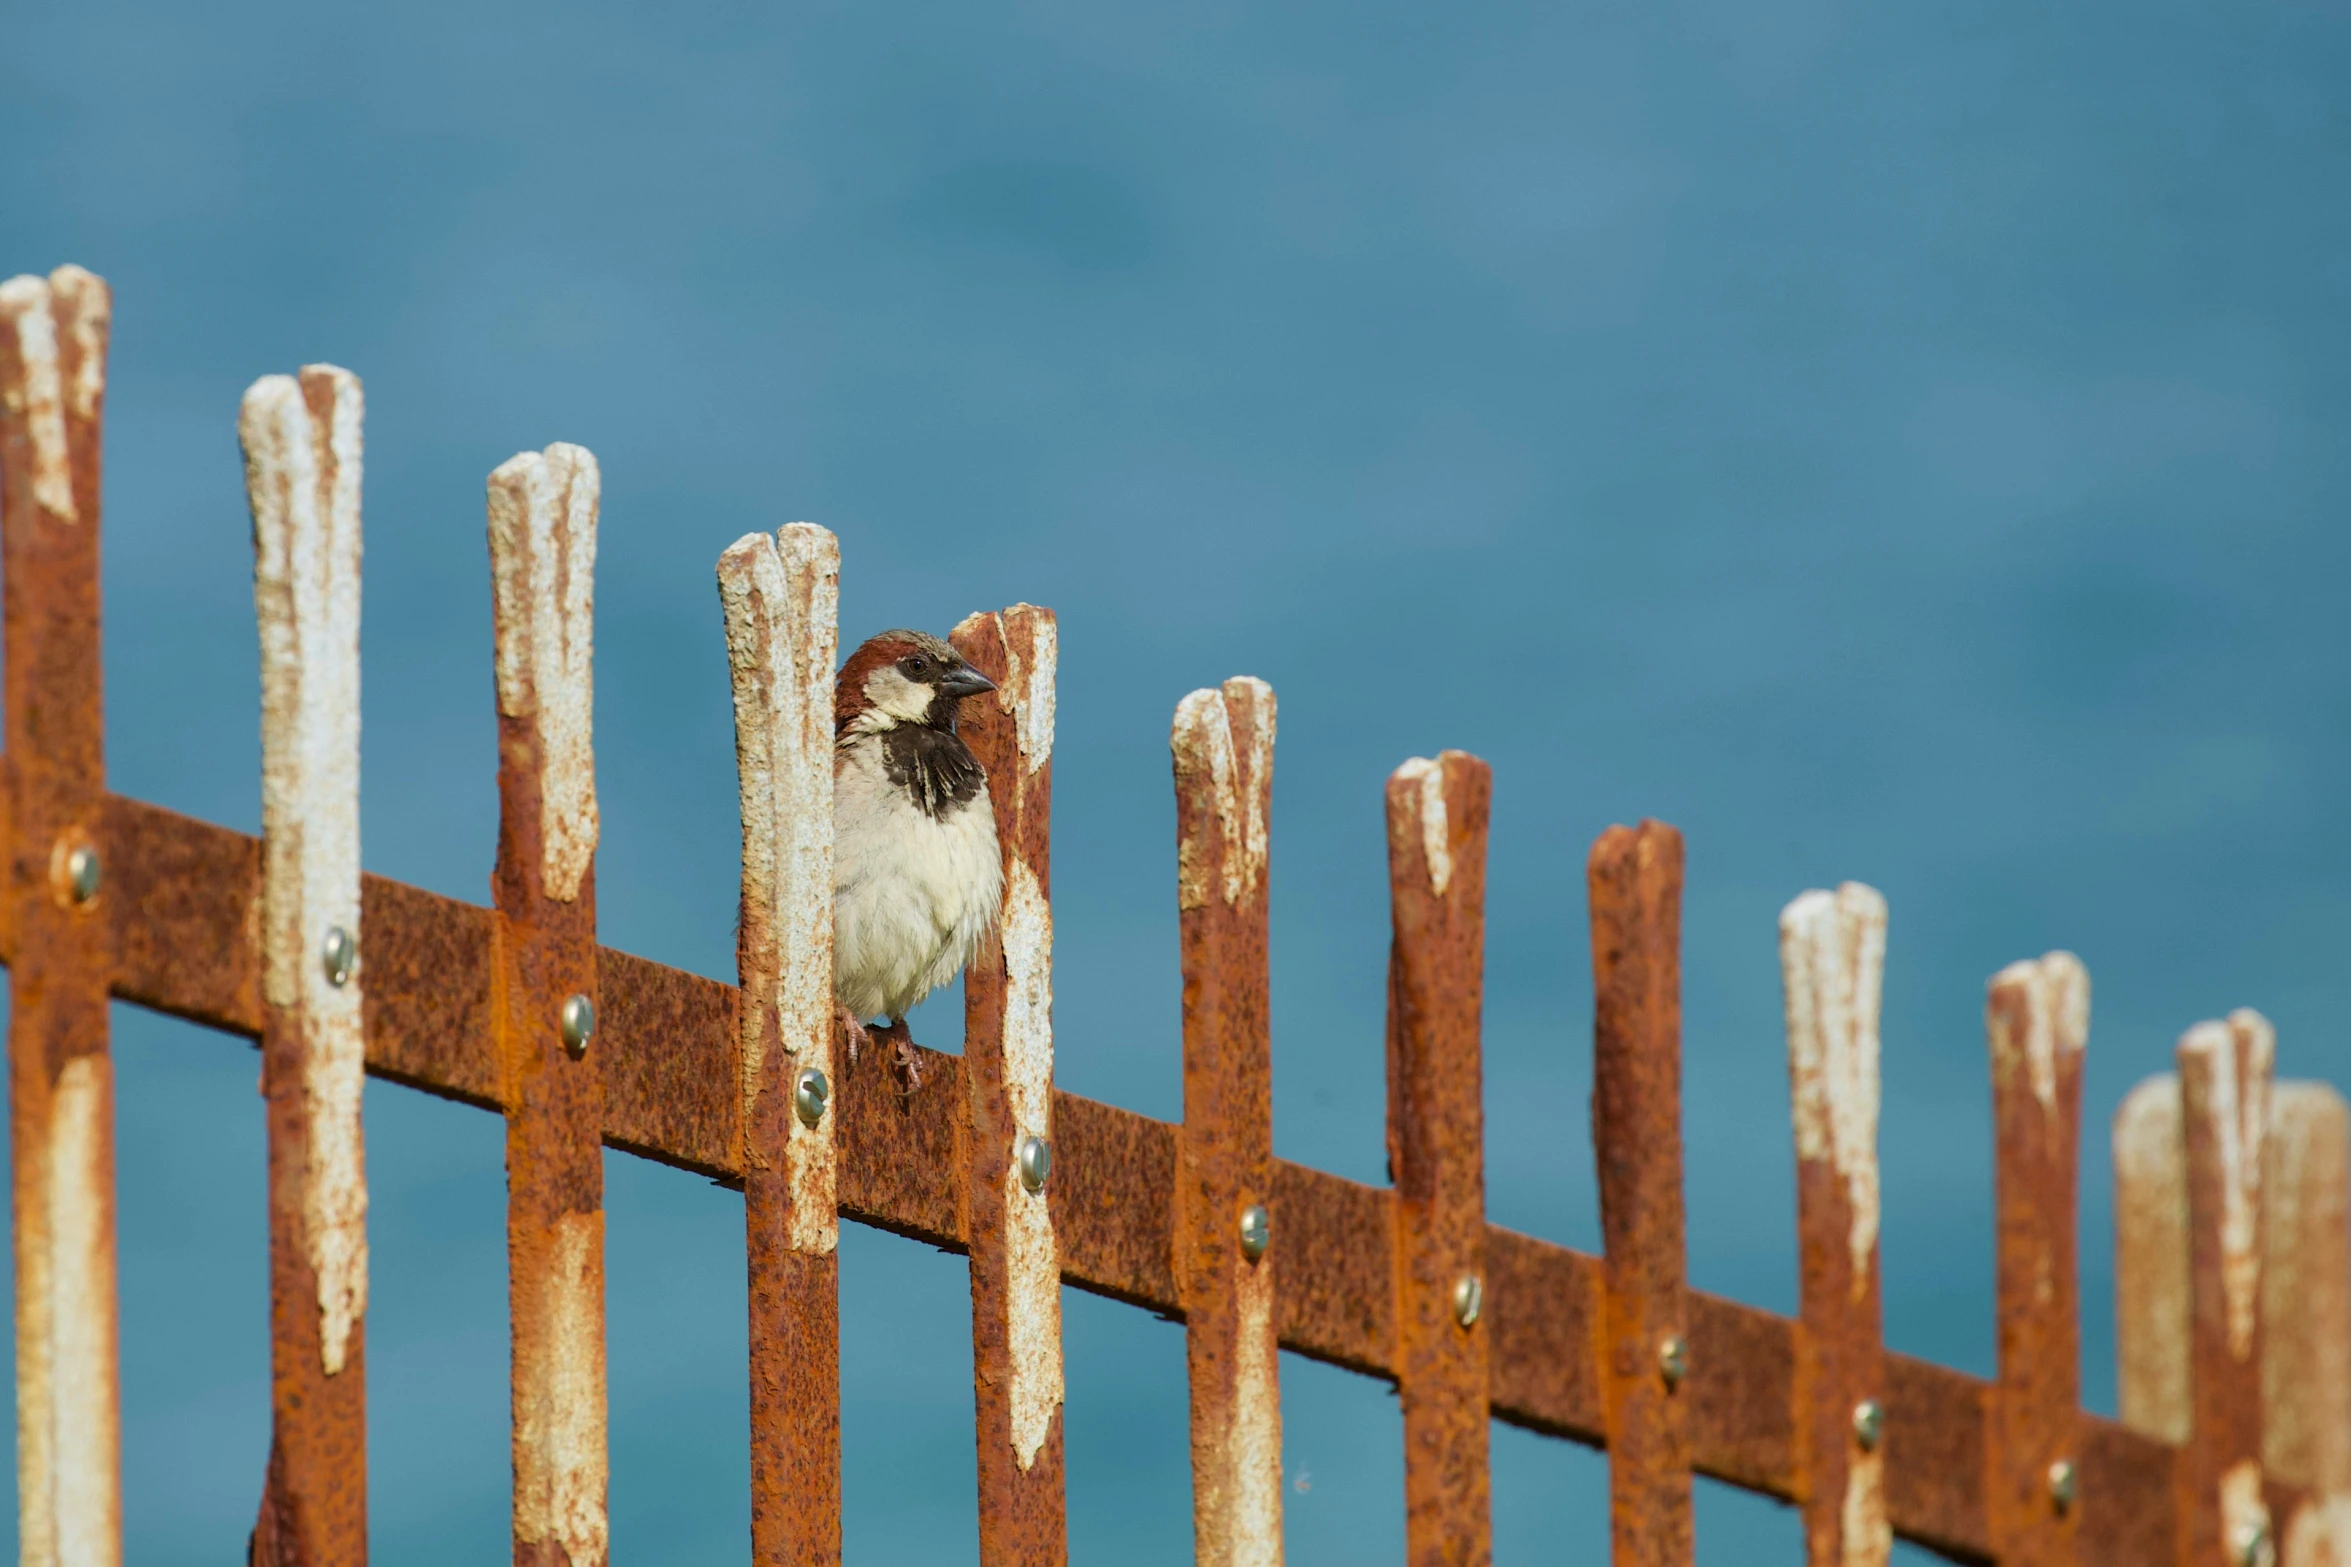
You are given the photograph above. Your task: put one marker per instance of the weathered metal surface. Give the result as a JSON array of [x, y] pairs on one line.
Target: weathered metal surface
[[53, 336], [2224, 1070], [302, 443], [1832, 967], [1438, 812], [1008, 1095], [1223, 748], [782, 601], [2151, 1260], [542, 509], [2037, 1017], [1636, 891], [2306, 1290]]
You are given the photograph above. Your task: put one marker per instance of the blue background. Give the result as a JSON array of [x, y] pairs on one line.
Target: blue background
[[1900, 443]]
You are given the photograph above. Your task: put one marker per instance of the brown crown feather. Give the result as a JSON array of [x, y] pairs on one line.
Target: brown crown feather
[[886, 647]]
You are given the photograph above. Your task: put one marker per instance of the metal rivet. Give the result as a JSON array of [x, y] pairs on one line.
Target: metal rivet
[[1035, 1158], [81, 872], [1256, 1231], [810, 1094], [1673, 1360], [2253, 1547], [1469, 1298], [339, 952], [1869, 1423], [579, 1024], [2063, 1483]]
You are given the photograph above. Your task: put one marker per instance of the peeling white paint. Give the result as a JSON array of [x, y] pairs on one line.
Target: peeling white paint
[[26, 305], [1032, 1262], [2153, 1333], [1832, 967], [2306, 1289], [87, 305], [1203, 742], [561, 1474], [302, 479], [85, 1440], [1869, 1536], [1435, 831], [1027, 692], [2243, 1513], [782, 603], [2056, 991], [2320, 1535], [2237, 1107], [543, 509], [1254, 1444]]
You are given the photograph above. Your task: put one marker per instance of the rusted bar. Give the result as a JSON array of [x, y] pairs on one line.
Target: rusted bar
[[1008, 1089], [1832, 967], [2151, 1260], [1223, 746], [672, 1094], [1437, 818], [53, 336], [302, 441], [2037, 1016], [542, 566], [2224, 1070], [781, 596], [1636, 892], [2306, 1317]]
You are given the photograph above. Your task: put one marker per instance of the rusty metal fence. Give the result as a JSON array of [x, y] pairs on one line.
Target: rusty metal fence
[[2234, 1277]]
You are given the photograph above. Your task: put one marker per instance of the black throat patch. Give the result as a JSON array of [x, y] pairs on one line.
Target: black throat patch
[[934, 767]]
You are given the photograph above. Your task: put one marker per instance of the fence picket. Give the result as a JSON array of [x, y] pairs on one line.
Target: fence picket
[[1832, 964], [781, 598], [2037, 1017], [542, 561], [302, 441], [1635, 875], [1008, 1086], [1438, 813], [53, 340], [2224, 1070], [1223, 746]]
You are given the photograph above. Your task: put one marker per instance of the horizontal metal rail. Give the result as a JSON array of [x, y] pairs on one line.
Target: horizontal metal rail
[[183, 932]]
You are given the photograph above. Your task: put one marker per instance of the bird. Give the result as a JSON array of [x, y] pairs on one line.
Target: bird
[[917, 876]]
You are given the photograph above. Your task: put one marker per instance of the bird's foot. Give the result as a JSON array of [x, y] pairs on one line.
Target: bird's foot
[[905, 1059], [851, 1025]]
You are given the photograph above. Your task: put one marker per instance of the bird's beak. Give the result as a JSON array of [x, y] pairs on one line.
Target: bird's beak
[[966, 681]]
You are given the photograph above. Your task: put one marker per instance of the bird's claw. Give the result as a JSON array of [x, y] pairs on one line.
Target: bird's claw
[[905, 1059], [850, 1025]]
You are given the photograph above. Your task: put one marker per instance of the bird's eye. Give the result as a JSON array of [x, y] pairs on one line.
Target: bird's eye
[[916, 665]]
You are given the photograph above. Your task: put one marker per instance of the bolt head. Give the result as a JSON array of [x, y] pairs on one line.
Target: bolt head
[[810, 1094], [579, 1024], [82, 873], [2064, 1484], [1256, 1231], [1035, 1159], [339, 953], [1469, 1299], [1869, 1424], [1673, 1360]]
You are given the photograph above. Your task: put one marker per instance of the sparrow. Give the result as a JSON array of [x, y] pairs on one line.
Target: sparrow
[[917, 878]]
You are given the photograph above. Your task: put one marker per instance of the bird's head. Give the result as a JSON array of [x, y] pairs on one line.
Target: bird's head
[[902, 677]]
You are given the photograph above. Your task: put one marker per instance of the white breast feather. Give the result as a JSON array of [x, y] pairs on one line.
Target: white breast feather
[[913, 896]]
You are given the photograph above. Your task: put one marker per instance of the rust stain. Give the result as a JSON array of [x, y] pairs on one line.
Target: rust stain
[[1438, 812], [2238, 1111], [53, 339], [1222, 745], [1007, 1078], [2037, 1021], [2306, 1290], [542, 517], [1832, 966]]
